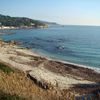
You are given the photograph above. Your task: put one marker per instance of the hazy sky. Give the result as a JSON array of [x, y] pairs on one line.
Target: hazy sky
[[74, 12]]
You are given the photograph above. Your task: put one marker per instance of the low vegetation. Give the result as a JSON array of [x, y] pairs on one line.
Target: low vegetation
[[5, 96], [5, 68], [15, 85]]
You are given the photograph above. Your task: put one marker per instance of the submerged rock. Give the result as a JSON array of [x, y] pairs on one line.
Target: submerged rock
[[60, 47]]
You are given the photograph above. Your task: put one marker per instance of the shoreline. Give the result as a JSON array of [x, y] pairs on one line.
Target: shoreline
[[66, 62], [21, 27], [46, 71], [80, 65], [53, 59]]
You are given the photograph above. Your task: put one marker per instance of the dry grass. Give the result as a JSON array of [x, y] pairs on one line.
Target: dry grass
[[17, 83]]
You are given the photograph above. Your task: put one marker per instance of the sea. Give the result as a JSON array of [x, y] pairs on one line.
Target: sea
[[75, 44]]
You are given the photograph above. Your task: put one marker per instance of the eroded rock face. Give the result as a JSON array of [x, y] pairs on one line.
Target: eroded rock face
[[42, 84]]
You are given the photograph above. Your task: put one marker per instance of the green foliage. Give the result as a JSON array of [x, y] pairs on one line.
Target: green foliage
[[5, 96], [5, 68], [18, 21]]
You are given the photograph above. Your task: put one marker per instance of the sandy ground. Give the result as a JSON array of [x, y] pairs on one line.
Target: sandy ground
[[26, 60]]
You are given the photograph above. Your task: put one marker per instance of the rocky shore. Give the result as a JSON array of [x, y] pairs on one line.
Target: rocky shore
[[50, 74]]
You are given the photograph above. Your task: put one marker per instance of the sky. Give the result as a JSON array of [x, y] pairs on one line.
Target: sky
[[67, 12]]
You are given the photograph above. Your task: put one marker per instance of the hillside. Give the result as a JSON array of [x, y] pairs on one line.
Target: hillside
[[19, 21]]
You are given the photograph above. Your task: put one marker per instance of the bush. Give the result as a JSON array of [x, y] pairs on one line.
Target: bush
[[5, 68], [5, 96]]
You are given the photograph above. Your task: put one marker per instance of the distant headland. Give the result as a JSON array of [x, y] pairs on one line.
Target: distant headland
[[8, 22]]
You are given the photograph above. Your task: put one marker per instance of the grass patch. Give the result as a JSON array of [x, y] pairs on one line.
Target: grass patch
[[5, 68], [5, 96]]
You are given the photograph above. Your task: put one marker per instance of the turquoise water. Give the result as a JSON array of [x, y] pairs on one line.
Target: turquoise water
[[76, 44]]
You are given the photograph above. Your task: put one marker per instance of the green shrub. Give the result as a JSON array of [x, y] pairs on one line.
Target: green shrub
[[5, 68], [5, 96]]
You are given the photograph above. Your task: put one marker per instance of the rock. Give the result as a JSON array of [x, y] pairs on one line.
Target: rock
[[13, 42], [42, 84], [60, 47]]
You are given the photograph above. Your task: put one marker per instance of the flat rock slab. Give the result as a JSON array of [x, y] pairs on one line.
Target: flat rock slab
[[57, 80]]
